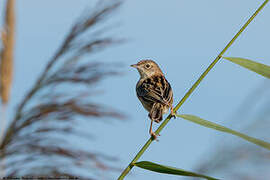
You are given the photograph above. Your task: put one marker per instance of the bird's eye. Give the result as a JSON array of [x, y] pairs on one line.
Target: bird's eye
[[147, 66]]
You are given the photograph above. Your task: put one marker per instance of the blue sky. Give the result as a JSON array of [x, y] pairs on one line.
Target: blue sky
[[183, 37]]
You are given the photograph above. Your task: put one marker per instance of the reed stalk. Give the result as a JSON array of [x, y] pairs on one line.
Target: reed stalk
[[7, 53], [6, 66]]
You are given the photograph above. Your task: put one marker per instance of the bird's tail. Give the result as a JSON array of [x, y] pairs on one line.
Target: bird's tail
[[156, 112]]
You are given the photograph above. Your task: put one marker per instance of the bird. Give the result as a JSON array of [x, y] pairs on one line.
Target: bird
[[154, 92]]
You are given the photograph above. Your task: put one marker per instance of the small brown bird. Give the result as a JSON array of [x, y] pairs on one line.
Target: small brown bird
[[154, 91]]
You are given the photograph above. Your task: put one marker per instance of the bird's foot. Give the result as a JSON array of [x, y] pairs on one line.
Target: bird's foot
[[173, 115], [154, 135]]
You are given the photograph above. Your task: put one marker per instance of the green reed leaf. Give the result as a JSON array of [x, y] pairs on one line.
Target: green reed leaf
[[215, 126], [256, 67], [169, 170]]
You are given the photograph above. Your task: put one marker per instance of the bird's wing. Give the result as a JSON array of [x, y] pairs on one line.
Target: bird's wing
[[155, 89]]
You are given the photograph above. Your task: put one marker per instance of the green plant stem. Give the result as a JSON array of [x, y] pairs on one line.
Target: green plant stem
[[147, 144]]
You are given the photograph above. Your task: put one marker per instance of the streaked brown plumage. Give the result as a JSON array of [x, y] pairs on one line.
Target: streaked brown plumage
[[154, 91]]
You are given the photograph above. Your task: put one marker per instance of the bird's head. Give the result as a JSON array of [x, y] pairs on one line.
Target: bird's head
[[147, 68]]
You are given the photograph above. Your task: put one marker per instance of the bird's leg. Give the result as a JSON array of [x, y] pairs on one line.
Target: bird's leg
[[172, 113], [151, 132]]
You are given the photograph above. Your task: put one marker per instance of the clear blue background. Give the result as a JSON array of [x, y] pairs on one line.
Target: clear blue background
[[183, 37]]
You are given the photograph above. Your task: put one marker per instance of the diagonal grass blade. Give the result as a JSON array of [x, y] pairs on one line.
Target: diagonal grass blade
[[256, 67], [169, 170], [215, 126]]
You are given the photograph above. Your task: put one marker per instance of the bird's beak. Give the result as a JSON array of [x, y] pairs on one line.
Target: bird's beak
[[134, 65]]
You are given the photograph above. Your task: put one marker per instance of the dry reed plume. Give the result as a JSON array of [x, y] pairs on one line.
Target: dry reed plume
[[38, 140]]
